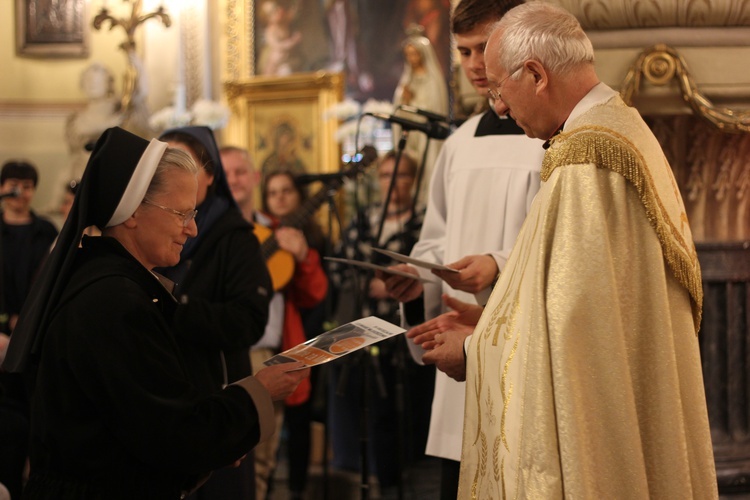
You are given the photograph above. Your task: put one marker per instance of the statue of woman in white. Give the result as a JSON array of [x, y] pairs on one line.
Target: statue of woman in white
[[100, 113], [422, 85]]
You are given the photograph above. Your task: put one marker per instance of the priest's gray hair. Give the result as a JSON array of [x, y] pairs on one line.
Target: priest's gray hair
[[544, 32], [172, 159]]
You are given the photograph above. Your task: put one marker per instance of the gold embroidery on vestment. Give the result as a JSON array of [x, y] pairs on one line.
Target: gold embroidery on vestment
[[607, 149]]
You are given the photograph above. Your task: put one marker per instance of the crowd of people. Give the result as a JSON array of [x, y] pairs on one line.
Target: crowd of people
[[550, 352]]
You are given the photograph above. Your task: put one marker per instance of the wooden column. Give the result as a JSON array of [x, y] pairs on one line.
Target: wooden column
[[725, 352]]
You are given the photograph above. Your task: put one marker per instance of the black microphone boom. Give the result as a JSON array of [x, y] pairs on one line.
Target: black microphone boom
[[423, 112], [433, 130], [366, 156], [308, 178]]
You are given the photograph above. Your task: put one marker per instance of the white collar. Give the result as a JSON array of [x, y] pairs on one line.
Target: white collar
[[598, 94]]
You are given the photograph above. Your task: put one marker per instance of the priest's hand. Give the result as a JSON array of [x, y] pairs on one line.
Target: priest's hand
[[281, 380], [448, 354], [377, 289], [476, 272], [462, 318], [401, 288]]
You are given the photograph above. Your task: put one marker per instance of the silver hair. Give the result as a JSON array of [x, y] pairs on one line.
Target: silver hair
[[172, 159], [544, 32]]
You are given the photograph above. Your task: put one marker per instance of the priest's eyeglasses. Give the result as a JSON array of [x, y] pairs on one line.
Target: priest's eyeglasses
[[495, 93], [186, 216]]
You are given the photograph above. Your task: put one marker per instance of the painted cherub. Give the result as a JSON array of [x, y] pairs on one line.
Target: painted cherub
[[279, 38]]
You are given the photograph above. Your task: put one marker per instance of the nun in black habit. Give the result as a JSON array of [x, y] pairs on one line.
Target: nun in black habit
[[223, 288], [221, 281], [114, 414]]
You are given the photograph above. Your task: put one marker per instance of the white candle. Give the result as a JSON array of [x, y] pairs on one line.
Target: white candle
[[180, 93], [179, 99]]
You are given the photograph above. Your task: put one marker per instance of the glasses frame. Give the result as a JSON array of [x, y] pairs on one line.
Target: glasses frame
[[186, 216], [494, 93]]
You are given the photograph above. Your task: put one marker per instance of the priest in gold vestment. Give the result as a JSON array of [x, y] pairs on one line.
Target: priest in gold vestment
[[583, 373]]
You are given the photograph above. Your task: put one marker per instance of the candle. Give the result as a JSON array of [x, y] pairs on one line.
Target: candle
[[179, 99], [180, 93]]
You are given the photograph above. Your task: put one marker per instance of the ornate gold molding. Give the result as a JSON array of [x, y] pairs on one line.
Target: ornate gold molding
[[659, 65], [239, 37], [618, 14]]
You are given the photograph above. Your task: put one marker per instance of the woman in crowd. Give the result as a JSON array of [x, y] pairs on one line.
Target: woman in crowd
[[115, 414], [399, 390], [304, 295], [223, 290]]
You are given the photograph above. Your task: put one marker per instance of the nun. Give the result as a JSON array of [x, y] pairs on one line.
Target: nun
[[114, 414], [223, 288]]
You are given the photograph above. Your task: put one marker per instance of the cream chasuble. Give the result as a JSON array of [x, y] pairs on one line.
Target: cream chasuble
[[583, 375]]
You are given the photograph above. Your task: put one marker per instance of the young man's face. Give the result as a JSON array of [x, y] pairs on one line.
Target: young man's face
[[26, 190], [471, 48]]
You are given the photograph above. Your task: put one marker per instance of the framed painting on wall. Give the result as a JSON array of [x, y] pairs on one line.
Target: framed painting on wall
[[360, 38], [51, 28], [280, 120]]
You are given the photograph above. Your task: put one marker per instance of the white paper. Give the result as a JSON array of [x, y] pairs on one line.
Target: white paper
[[370, 265], [416, 262], [338, 342]]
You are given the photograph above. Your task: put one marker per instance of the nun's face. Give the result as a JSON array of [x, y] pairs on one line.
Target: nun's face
[[160, 232]]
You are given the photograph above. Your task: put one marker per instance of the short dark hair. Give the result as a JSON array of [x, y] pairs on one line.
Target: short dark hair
[[18, 169], [195, 145], [298, 186], [469, 14]]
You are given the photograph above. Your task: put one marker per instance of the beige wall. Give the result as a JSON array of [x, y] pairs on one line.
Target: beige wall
[[37, 95]]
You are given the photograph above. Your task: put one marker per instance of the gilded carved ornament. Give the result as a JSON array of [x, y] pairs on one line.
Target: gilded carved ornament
[[659, 65], [629, 14], [131, 85]]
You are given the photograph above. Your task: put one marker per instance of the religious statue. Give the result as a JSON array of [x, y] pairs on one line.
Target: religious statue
[[101, 112]]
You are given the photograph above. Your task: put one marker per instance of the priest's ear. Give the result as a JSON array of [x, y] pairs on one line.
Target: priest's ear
[[539, 73]]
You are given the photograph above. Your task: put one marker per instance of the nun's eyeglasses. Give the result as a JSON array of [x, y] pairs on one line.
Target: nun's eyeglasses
[[186, 216]]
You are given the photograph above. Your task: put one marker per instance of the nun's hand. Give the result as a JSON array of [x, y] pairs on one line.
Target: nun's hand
[[281, 380]]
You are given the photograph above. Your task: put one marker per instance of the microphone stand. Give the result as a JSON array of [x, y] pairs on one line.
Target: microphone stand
[[420, 176], [4, 315], [399, 387], [370, 366], [356, 358], [394, 174], [333, 212]]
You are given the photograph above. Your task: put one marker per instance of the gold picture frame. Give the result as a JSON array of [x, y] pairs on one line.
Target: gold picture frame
[[52, 28], [261, 107]]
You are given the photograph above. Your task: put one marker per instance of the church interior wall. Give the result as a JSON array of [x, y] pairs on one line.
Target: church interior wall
[[38, 94]]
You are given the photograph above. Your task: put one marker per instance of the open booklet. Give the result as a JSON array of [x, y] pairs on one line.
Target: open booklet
[[416, 262], [338, 342]]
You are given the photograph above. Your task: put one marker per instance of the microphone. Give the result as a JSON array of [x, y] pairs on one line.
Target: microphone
[[366, 156], [433, 130], [330, 176], [423, 112], [13, 193]]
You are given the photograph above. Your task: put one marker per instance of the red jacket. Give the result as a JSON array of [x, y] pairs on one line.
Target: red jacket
[[307, 289]]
